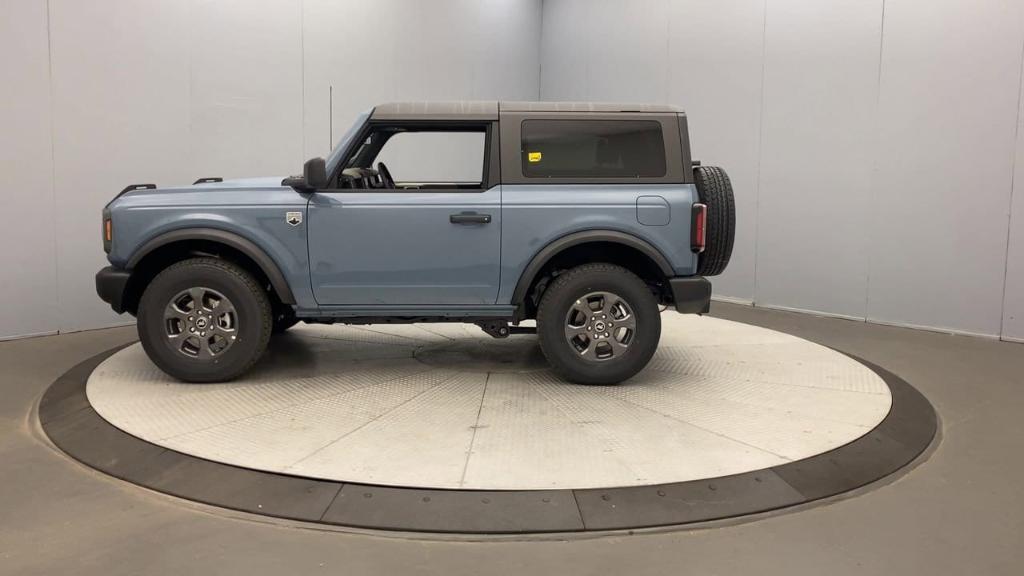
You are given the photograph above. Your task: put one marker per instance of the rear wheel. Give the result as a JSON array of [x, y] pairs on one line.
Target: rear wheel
[[598, 324], [204, 320]]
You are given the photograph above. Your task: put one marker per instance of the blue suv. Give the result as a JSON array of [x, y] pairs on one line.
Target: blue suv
[[585, 217]]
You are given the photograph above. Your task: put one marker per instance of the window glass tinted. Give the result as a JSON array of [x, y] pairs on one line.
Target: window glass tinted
[[592, 149]]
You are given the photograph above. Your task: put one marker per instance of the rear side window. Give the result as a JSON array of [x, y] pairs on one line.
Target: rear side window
[[593, 149]]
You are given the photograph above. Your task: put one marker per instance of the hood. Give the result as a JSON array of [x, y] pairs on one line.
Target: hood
[[259, 182], [263, 190]]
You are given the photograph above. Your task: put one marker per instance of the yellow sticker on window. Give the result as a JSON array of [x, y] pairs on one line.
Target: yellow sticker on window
[[533, 156]]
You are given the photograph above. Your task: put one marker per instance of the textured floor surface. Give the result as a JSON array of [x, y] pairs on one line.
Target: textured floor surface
[[446, 406], [959, 512]]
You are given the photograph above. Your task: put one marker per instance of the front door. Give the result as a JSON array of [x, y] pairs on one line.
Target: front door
[[423, 229]]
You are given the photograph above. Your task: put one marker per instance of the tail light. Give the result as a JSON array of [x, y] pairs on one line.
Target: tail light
[[698, 227]]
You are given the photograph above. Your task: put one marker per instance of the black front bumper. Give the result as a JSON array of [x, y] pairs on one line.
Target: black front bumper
[[110, 286], [692, 294]]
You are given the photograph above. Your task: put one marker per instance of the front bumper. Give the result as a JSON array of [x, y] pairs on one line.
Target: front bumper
[[692, 294], [110, 286]]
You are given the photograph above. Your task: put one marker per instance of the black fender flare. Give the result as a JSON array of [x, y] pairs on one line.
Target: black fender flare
[[555, 246], [236, 241]]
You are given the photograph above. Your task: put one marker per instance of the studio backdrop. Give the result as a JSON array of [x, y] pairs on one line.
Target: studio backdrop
[[873, 144]]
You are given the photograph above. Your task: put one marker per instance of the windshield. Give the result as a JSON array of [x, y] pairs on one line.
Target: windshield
[[335, 156]]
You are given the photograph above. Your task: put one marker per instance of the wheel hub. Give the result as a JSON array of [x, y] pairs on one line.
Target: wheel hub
[[200, 323], [600, 326]]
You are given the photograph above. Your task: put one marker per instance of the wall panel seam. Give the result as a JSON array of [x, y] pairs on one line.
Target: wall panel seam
[[1009, 209], [876, 133], [760, 148], [53, 167]]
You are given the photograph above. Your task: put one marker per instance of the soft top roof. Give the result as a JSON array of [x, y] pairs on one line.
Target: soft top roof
[[489, 109]]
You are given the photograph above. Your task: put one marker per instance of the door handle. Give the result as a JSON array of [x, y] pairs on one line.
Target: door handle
[[469, 218]]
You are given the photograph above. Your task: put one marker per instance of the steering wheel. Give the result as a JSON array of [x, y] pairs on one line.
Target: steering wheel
[[385, 176]]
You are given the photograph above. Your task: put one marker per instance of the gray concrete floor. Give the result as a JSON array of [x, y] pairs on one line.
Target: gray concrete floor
[[958, 512]]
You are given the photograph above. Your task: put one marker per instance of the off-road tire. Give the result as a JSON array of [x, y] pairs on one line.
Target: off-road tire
[[252, 309], [560, 297], [715, 191]]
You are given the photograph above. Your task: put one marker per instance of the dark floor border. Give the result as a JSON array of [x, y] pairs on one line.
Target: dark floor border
[[72, 424]]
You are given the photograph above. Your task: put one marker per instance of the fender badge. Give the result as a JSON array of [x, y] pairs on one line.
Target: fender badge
[[293, 218]]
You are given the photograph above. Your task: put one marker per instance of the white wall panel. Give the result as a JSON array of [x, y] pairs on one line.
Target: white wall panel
[[442, 50], [947, 117], [817, 149], [507, 63], [27, 270], [246, 88], [121, 115], [715, 68], [565, 50]]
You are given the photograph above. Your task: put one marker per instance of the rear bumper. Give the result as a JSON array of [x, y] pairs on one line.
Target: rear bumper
[[110, 285], [692, 294]]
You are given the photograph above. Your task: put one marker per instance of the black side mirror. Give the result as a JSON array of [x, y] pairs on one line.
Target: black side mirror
[[314, 176], [315, 173]]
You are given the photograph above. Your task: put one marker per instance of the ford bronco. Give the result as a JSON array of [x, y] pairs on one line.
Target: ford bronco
[[584, 217]]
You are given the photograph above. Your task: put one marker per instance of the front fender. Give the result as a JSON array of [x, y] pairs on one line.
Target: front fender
[[266, 263]]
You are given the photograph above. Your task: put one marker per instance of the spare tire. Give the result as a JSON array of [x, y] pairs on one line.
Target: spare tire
[[715, 191]]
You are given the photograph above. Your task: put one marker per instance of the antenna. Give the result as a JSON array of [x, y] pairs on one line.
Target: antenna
[[330, 116]]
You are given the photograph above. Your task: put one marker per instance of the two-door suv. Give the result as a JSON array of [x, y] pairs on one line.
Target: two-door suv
[[585, 217]]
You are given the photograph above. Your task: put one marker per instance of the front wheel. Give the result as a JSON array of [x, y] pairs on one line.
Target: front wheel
[[598, 324], [204, 320]]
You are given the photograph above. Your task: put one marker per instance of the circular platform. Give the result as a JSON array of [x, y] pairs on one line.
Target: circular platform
[[440, 427], [446, 406]]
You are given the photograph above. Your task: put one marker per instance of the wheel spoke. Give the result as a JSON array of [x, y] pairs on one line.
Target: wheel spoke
[[204, 348], [571, 330], [627, 322], [589, 352], [171, 312], [197, 298], [617, 347], [583, 307], [223, 306]]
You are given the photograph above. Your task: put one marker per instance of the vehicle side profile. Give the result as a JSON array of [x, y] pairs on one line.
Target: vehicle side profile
[[584, 217]]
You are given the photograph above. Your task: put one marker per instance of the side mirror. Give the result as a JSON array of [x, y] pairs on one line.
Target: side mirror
[[314, 176], [314, 171]]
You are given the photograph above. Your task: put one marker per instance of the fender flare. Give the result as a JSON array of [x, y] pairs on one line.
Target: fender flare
[[555, 246], [236, 241]]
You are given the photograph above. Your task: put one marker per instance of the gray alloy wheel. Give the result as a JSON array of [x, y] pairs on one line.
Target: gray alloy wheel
[[600, 326], [200, 323], [204, 320]]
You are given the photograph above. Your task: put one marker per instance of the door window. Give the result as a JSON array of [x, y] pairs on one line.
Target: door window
[[435, 157], [404, 157]]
